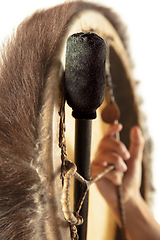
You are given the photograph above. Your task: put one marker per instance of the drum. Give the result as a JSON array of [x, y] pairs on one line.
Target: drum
[[32, 75]]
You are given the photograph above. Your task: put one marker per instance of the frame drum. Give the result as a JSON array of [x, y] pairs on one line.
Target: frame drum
[[42, 41]]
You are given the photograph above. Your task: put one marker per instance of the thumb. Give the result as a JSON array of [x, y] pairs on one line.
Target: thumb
[[133, 178], [136, 143]]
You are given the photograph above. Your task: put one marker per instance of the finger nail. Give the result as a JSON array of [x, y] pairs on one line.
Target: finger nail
[[126, 155], [124, 167]]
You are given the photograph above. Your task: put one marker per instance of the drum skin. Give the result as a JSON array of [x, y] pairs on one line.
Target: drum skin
[[32, 70]]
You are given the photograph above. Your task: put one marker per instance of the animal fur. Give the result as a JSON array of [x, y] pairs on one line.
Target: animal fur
[[27, 61]]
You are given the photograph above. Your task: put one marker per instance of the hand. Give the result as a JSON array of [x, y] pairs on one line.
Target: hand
[[112, 151]]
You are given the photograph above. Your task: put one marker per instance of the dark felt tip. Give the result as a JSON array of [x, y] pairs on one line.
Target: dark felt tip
[[85, 76]]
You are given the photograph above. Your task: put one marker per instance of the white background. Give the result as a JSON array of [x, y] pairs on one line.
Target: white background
[[142, 18]]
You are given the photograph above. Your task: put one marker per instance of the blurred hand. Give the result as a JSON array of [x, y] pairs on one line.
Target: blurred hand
[[112, 151]]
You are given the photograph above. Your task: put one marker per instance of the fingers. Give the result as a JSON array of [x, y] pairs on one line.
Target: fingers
[[111, 151], [114, 176], [114, 145], [136, 143], [104, 158], [109, 143], [113, 129]]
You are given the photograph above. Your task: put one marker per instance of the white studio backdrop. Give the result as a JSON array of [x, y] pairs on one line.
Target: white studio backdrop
[[142, 18]]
